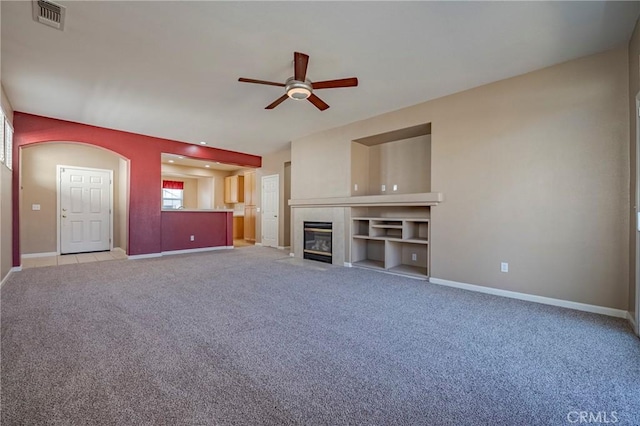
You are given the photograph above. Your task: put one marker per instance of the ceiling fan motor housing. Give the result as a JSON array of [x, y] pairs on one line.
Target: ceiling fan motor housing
[[298, 90]]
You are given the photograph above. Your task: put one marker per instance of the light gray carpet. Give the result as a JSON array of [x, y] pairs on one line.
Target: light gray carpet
[[250, 337]]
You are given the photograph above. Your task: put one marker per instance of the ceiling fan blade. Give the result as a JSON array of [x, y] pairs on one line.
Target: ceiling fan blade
[[300, 62], [319, 103], [250, 80], [277, 102], [331, 84]]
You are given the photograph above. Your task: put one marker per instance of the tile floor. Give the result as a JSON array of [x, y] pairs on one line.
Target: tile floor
[[69, 259]]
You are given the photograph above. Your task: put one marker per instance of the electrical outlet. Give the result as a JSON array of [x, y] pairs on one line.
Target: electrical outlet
[[35, 207], [414, 256], [355, 186], [193, 238], [383, 188], [395, 187], [504, 267]]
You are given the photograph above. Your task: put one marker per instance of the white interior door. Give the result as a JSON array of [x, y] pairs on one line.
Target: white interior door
[[85, 209], [270, 197]]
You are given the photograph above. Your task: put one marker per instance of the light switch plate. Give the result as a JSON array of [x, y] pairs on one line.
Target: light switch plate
[[35, 206]]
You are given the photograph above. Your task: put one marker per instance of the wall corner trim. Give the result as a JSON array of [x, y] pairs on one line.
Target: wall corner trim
[[632, 321], [618, 313]]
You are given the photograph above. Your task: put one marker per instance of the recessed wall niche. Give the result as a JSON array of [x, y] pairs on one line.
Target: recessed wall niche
[[395, 162]]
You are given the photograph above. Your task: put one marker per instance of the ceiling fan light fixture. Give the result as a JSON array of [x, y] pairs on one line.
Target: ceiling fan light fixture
[[298, 90], [298, 93]]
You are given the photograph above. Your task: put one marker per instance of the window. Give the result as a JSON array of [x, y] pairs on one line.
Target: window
[[2, 120], [172, 193], [8, 144]]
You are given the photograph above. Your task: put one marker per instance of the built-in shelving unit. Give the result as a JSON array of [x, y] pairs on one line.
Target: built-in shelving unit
[[393, 244]]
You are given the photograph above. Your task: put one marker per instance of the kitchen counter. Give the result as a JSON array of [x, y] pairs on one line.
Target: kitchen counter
[[198, 210]]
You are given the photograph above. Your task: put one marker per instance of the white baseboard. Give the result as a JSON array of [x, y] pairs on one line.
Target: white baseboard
[[258, 244], [195, 250], [6, 277], [144, 256], [618, 313], [11, 271], [32, 255]]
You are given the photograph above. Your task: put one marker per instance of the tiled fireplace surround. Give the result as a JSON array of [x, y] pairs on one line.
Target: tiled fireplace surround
[[338, 216]]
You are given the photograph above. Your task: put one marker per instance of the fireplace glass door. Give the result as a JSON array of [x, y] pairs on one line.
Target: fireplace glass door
[[317, 241]]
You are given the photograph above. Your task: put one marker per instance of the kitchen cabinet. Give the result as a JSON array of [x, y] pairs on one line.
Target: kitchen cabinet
[[249, 188], [250, 206], [234, 189], [250, 223], [238, 227]]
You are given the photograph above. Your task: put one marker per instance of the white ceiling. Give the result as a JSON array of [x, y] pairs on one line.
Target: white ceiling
[[170, 69]]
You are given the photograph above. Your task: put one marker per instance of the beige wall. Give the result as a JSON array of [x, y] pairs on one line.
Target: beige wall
[[38, 229], [6, 225], [534, 172], [634, 88], [274, 164]]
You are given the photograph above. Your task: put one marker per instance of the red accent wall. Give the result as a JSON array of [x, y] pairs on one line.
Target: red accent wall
[[210, 229], [143, 153]]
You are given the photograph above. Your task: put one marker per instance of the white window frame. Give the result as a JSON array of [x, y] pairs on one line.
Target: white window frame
[[2, 137], [173, 199], [8, 144]]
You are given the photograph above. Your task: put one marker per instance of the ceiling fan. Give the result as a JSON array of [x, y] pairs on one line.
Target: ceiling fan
[[299, 88]]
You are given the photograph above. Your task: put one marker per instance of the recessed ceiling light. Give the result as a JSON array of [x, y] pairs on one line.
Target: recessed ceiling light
[[203, 143], [206, 165], [171, 161]]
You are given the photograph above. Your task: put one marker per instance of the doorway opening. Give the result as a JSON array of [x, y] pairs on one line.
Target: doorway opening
[[270, 210]]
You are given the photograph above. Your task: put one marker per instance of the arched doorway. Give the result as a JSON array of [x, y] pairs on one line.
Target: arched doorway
[[39, 227]]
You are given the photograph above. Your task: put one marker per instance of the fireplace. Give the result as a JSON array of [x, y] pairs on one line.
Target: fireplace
[[317, 241]]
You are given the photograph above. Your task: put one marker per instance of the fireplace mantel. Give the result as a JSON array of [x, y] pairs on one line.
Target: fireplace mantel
[[421, 199]]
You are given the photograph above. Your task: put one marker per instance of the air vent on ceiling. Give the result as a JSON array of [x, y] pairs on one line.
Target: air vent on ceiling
[[49, 13]]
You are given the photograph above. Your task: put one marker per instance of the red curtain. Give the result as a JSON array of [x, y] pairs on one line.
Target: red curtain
[[172, 184]]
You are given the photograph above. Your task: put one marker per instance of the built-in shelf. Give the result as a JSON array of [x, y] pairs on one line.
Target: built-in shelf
[[394, 244]]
